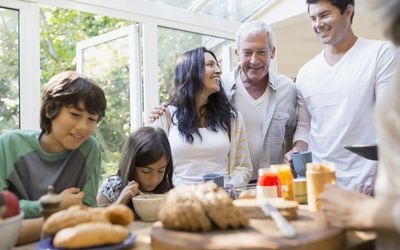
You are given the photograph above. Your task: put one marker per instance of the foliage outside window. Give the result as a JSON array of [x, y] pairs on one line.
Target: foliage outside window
[[9, 70]]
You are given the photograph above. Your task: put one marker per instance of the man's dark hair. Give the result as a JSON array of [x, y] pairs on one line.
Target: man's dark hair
[[340, 4], [67, 89]]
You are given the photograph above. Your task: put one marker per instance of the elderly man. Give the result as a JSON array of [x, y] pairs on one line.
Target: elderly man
[[266, 100], [337, 91]]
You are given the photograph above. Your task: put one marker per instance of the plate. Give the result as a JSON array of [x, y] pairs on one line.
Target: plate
[[47, 244], [369, 152]]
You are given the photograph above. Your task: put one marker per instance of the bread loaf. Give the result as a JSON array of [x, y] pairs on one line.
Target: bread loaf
[[90, 235], [114, 214]]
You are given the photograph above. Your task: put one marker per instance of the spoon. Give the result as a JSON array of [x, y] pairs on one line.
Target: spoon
[[142, 194]]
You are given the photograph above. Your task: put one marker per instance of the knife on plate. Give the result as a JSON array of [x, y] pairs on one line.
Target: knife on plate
[[284, 226]]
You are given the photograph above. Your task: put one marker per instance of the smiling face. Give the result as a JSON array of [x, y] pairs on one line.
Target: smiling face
[[150, 176], [255, 55], [329, 24], [70, 128], [212, 75]]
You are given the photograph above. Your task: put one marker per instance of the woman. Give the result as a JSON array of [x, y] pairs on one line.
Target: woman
[[351, 210], [146, 165], [207, 135]]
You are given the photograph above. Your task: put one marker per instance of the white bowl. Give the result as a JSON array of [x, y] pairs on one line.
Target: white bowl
[[9, 231], [147, 206]]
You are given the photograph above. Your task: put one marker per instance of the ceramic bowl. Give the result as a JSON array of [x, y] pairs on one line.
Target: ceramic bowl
[[147, 206]]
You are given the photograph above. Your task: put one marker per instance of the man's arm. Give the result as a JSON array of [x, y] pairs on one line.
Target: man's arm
[[156, 113], [388, 61], [300, 139]]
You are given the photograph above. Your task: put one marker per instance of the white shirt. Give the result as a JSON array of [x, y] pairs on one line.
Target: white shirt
[[253, 111], [336, 106], [204, 156]]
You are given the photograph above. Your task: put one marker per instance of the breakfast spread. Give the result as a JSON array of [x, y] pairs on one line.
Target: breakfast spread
[[72, 227], [200, 208]]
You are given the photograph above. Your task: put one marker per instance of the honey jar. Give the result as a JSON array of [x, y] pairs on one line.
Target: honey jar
[[268, 184]]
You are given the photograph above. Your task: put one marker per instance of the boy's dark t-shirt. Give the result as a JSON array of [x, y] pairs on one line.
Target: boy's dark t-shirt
[[27, 170]]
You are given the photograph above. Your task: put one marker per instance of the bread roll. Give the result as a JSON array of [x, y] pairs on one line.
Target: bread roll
[[90, 234], [66, 218], [114, 214]]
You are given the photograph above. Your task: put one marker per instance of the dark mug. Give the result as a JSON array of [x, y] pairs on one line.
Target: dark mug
[[300, 159], [218, 178]]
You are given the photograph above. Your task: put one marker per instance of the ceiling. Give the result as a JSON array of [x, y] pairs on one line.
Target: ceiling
[[238, 10]]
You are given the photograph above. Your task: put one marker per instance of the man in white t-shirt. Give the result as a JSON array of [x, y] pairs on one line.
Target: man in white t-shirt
[[337, 91]]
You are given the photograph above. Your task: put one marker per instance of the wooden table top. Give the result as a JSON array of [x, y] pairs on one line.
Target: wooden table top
[[354, 239]]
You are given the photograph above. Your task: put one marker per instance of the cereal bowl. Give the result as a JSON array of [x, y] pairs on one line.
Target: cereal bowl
[[9, 231], [147, 206]]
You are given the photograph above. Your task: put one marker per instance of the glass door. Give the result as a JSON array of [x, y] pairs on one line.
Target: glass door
[[112, 59]]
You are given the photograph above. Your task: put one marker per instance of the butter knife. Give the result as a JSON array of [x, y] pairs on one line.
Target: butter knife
[[284, 226]]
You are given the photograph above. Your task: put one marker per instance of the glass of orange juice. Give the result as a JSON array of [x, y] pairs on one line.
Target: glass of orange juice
[[318, 174]]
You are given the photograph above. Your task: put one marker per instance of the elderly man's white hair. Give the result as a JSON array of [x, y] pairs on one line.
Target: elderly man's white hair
[[254, 28]]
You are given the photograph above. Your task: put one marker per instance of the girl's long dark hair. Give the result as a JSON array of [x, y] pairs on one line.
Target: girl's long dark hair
[[145, 146], [188, 81]]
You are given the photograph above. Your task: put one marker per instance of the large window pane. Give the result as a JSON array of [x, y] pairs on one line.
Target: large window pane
[[173, 43], [60, 31], [108, 64], [9, 70]]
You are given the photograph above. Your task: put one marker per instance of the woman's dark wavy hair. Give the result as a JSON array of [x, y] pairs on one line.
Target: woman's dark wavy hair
[[68, 89], [145, 146], [340, 4], [188, 82]]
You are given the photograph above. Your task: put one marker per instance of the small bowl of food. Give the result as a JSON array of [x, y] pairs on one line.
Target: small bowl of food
[[245, 192], [10, 219], [9, 230], [146, 206]]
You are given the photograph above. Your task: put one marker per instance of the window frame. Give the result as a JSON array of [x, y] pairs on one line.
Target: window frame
[[148, 14], [29, 62]]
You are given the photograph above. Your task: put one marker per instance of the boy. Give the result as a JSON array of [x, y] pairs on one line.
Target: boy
[[63, 153]]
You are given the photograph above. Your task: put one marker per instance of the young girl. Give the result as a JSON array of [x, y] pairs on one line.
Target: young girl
[[146, 165]]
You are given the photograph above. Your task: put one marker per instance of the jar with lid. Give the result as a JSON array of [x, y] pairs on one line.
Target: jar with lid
[[50, 202], [268, 184], [286, 179]]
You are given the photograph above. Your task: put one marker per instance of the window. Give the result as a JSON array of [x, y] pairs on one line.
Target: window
[[9, 69], [98, 46], [172, 43], [112, 59]]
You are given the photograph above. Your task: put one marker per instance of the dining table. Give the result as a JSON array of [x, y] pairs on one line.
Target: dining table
[[353, 239]]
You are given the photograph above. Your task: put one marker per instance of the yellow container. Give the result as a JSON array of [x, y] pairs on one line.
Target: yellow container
[[318, 174], [300, 190], [286, 178]]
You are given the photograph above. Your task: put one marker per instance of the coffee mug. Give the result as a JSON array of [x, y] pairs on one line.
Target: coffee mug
[[217, 178], [300, 160]]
